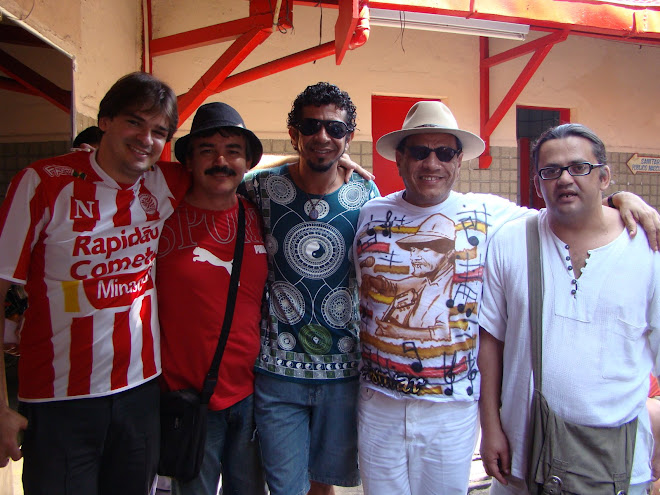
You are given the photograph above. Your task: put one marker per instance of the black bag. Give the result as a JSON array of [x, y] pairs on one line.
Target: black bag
[[182, 426], [183, 413], [565, 458]]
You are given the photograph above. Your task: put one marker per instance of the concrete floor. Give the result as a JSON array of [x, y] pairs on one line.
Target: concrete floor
[[10, 480]]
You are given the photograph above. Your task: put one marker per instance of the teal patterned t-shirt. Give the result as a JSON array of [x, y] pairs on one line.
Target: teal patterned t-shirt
[[312, 329]]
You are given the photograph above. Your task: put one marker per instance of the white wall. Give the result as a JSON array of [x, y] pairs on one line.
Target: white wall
[[610, 86]]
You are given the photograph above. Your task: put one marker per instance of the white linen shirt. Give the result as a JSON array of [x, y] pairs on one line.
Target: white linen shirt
[[599, 343]]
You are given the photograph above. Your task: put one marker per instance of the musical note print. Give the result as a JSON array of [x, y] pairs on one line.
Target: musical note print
[[424, 280]]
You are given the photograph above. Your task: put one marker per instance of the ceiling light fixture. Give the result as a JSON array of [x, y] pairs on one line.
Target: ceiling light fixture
[[448, 24]]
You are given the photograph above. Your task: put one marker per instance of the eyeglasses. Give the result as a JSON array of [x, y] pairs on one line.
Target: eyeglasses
[[574, 169], [335, 128], [443, 153]]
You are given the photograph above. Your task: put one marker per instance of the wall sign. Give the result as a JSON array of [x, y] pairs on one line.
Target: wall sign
[[644, 164]]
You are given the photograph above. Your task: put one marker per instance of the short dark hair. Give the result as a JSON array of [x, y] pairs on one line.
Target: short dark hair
[[142, 92], [224, 132], [91, 135], [401, 147], [322, 93], [567, 130]]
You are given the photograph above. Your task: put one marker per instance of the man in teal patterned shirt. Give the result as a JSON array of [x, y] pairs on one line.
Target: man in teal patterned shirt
[[307, 380]]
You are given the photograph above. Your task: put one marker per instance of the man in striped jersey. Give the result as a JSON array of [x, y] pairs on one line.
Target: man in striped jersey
[[81, 231]]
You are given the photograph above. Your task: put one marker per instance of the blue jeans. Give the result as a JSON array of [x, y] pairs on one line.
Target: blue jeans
[[307, 431], [232, 449]]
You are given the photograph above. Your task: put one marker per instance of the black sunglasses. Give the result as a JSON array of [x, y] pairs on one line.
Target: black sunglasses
[[574, 169], [335, 128], [443, 153]]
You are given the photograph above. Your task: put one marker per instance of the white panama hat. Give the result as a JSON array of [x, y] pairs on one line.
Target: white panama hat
[[430, 117]]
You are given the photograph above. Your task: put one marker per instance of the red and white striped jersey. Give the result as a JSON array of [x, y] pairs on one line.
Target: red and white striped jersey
[[84, 246]]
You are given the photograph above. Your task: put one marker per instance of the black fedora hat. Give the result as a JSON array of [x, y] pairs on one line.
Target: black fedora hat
[[212, 116]]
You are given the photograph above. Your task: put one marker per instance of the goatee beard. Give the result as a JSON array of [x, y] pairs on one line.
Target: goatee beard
[[321, 167]]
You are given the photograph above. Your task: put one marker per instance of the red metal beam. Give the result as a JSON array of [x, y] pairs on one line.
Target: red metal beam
[[608, 37], [517, 51], [210, 35], [360, 37], [11, 85], [218, 72], [596, 17], [35, 82], [484, 100], [345, 27], [522, 80], [279, 65], [488, 124]]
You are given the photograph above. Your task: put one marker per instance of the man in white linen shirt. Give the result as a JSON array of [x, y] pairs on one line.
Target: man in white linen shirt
[[601, 314]]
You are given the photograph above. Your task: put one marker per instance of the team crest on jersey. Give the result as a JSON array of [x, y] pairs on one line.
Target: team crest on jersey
[[149, 203]]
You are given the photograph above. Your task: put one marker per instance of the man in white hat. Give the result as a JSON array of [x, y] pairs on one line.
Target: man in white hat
[[417, 411]]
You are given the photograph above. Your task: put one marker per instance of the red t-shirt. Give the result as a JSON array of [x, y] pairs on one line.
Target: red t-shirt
[[654, 389], [193, 270]]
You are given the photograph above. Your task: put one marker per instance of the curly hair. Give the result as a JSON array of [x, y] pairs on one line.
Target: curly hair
[[322, 93]]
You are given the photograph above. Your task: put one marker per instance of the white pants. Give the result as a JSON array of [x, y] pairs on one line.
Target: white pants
[[517, 486], [411, 446]]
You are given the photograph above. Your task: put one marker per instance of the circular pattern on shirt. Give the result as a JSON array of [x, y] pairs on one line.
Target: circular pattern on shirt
[[346, 344], [314, 250], [280, 189], [148, 203], [352, 195], [336, 308], [271, 244], [287, 303], [286, 341], [322, 208], [315, 339]]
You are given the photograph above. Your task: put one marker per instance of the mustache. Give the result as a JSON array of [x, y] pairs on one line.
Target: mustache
[[219, 170]]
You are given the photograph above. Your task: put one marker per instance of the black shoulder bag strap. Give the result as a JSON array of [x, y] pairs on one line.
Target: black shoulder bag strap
[[535, 294], [212, 376]]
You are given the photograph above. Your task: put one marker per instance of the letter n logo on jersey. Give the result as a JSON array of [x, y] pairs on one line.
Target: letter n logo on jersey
[[84, 214]]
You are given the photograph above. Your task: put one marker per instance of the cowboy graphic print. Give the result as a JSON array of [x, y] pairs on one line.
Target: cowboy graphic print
[[421, 277]]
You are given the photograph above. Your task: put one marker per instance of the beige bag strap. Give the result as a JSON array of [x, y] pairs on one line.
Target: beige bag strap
[[535, 294]]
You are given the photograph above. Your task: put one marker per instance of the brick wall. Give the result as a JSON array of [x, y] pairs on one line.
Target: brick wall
[[501, 178], [16, 156]]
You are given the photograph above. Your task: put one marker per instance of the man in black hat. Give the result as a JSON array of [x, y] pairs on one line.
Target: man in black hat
[[195, 261]]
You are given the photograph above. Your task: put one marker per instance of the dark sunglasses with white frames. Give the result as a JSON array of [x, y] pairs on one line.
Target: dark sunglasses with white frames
[[443, 153], [574, 169], [335, 128]]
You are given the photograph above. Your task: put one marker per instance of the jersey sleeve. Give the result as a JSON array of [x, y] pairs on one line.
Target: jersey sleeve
[[22, 216], [177, 178]]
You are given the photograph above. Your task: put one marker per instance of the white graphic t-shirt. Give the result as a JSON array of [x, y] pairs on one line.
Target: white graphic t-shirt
[[420, 272]]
